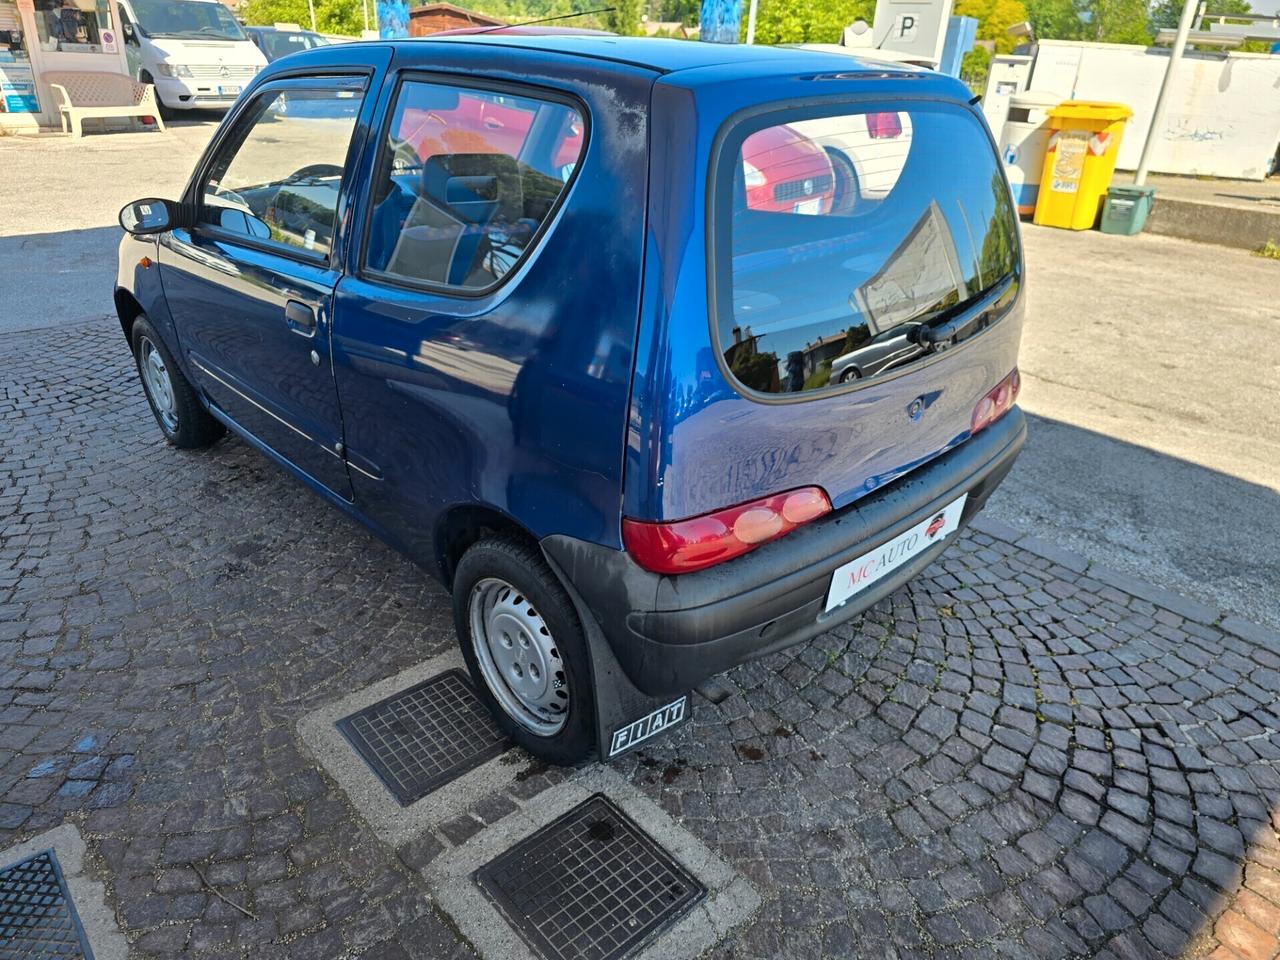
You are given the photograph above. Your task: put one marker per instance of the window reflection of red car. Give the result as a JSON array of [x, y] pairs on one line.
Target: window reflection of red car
[[483, 123], [785, 172], [486, 122]]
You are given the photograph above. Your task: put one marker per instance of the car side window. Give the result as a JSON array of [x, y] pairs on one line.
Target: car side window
[[465, 181], [278, 180]]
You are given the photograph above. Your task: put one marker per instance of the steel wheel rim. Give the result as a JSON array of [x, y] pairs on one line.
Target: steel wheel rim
[[158, 383], [518, 657]]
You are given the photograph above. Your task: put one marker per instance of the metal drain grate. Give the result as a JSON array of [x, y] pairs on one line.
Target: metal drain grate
[[421, 738], [589, 886], [37, 918]]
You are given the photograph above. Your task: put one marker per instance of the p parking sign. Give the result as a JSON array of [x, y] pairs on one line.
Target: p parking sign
[[914, 27]]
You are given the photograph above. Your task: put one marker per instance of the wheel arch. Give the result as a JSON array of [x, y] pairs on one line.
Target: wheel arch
[[464, 524], [128, 309]]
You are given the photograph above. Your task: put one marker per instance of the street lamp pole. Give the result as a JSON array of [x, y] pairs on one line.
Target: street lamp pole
[[1189, 12], [751, 21]]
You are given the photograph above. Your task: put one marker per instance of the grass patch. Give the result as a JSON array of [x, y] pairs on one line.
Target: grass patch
[[1270, 250]]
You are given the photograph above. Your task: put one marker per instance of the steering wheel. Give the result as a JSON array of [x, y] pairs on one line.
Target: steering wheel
[[314, 171]]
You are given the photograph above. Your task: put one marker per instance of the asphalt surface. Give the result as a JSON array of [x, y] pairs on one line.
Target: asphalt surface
[[1151, 368], [60, 200]]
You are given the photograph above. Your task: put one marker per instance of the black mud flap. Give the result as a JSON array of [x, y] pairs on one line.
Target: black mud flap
[[626, 718]]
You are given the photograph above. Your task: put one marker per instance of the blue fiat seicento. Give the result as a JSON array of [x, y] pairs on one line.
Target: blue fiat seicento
[[659, 355]]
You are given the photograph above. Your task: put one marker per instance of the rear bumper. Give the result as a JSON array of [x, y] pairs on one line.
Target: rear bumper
[[671, 633]]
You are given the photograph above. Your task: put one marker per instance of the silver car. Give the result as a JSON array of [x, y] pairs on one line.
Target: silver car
[[882, 352]]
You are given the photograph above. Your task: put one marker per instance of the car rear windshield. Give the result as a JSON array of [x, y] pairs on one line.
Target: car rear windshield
[[837, 235]]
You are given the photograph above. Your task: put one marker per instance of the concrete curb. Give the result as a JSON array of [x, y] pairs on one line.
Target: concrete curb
[[1224, 225], [730, 900], [89, 896], [370, 797], [1175, 603]]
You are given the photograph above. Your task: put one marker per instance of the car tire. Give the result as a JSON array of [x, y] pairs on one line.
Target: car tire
[[174, 403], [848, 191], [849, 375], [525, 648], [166, 112]]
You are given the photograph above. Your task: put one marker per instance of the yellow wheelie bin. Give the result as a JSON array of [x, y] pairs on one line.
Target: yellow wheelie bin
[[1084, 142]]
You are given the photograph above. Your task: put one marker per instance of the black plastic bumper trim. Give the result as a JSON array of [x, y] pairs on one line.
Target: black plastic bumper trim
[[671, 633]]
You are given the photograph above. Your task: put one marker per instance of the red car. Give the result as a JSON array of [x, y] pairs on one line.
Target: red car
[[482, 122], [786, 172], [487, 122]]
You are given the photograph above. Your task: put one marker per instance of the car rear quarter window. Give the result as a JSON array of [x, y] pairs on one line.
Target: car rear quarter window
[[838, 232], [467, 179]]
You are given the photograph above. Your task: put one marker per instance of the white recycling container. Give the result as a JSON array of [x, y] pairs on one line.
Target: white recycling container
[[1022, 144]]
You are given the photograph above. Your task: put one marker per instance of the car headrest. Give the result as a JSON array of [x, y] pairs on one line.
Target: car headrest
[[477, 187]]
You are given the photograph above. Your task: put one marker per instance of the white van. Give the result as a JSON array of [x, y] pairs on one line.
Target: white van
[[192, 50]]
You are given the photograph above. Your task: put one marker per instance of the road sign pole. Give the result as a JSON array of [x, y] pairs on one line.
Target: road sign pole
[[1189, 11]]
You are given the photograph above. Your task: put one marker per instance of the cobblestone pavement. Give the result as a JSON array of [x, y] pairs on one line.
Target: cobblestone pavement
[[1011, 757]]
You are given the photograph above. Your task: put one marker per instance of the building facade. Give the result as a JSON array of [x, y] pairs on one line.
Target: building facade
[[38, 37]]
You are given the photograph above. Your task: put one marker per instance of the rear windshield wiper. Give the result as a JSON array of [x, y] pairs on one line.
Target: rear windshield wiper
[[955, 323]]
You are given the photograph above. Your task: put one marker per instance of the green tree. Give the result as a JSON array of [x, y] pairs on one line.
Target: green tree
[[1055, 19], [808, 21], [624, 18], [974, 68], [682, 11], [1118, 21], [344, 17], [521, 11], [994, 17], [1166, 13]]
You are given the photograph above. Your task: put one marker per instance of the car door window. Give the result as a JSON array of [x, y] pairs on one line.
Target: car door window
[[466, 180], [278, 178]]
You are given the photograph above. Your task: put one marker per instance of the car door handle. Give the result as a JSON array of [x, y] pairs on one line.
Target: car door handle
[[300, 318]]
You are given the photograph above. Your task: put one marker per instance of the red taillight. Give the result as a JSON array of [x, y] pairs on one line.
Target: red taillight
[[996, 403], [884, 126], [683, 546]]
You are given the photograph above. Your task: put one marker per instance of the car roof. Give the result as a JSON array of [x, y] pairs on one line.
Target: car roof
[[664, 55]]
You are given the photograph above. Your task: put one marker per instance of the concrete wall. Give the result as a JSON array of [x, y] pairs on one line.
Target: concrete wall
[[1223, 120]]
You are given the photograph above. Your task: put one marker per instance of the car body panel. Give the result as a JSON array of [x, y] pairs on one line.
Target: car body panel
[[229, 297], [585, 386], [513, 399], [698, 443]]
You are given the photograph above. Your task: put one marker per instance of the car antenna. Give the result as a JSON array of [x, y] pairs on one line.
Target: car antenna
[[530, 23]]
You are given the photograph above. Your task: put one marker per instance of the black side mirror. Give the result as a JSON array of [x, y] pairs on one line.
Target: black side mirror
[[144, 217]]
